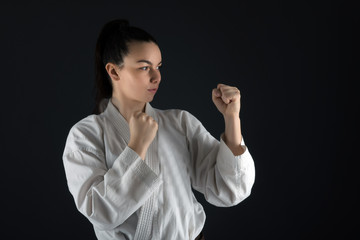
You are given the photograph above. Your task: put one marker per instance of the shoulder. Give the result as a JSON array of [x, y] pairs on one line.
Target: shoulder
[[181, 118], [90, 125], [87, 133]]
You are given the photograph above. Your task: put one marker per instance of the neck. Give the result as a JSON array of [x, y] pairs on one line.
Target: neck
[[127, 107]]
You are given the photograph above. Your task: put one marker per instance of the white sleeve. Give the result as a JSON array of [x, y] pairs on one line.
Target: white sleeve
[[107, 197], [224, 179]]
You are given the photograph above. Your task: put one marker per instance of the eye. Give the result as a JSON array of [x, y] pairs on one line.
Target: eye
[[144, 68], [159, 67]]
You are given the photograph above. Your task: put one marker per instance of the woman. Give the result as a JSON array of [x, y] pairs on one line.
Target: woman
[[131, 168]]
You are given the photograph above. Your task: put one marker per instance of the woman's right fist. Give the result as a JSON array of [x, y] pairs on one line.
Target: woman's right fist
[[143, 129]]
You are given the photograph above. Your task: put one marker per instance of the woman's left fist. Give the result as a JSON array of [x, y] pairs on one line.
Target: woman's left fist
[[227, 100]]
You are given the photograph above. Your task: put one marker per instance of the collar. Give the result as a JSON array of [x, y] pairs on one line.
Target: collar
[[119, 121]]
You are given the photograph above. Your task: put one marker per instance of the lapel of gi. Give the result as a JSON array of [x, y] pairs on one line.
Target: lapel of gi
[[147, 217]]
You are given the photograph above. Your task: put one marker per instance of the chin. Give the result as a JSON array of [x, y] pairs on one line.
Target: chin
[[149, 100]]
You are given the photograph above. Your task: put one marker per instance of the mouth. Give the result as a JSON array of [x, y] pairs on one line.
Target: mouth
[[152, 90]]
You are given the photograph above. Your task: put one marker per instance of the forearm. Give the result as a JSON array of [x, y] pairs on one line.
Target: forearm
[[126, 186], [232, 136]]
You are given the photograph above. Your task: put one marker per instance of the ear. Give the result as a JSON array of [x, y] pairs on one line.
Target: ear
[[113, 71]]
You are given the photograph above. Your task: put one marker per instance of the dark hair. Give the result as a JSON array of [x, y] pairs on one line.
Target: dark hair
[[112, 47]]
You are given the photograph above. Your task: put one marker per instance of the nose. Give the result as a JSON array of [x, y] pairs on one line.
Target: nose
[[155, 76]]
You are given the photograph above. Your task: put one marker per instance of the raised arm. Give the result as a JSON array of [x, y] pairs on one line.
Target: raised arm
[[227, 101]]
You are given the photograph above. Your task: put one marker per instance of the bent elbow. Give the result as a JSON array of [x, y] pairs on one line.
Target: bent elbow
[[243, 189], [102, 214], [242, 196]]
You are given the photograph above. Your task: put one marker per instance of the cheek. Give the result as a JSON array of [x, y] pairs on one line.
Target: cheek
[[136, 83], [134, 80], [140, 78], [130, 78]]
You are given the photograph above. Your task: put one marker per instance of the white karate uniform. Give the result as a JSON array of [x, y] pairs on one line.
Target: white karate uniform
[[125, 197]]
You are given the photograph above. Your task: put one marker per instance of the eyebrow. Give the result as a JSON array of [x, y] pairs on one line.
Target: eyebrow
[[146, 61]]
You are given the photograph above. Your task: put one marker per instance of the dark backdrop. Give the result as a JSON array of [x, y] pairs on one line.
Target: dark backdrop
[[292, 61]]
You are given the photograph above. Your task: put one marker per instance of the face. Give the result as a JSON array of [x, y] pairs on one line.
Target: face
[[139, 75]]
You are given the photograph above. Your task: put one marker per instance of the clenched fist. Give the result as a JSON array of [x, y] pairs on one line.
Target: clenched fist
[[143, 129], [227, 100]]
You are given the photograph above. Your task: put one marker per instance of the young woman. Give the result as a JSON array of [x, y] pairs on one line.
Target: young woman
[[131, 168]]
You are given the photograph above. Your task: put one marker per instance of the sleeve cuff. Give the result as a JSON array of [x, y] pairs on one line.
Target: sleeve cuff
[[133, 177], [129, 160], [229, 163]]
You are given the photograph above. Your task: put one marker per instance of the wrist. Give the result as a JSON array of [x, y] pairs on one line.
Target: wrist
[[232, 121], [231, 116], [232, 134], [140, 150]]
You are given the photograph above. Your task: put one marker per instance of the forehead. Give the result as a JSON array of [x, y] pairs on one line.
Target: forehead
[[143, 50]]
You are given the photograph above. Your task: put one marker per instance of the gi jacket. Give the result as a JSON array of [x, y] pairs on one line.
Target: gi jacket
[[125, 197]]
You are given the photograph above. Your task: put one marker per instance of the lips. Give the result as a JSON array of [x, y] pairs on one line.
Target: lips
[[152, 90]]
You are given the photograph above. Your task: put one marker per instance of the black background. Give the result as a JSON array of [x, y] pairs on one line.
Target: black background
[[294, 62]]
